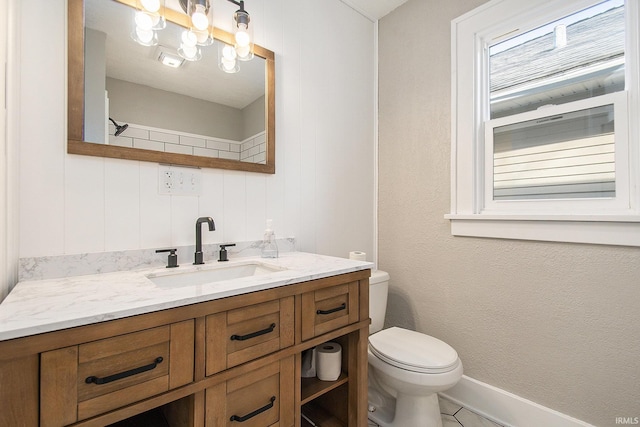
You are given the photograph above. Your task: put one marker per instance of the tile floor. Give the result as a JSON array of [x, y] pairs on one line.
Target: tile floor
[[454, 415]]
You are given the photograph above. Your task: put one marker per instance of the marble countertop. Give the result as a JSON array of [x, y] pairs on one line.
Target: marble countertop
[[38, 306]]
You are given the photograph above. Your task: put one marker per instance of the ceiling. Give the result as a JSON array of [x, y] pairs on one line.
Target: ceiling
[[137, 64], [127, 60], [374, 9]]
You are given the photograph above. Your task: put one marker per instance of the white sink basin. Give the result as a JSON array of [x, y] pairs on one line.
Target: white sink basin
[[211, 275]]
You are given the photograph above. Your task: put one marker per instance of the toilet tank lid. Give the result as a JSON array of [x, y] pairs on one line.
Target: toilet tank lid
[[378, 276]]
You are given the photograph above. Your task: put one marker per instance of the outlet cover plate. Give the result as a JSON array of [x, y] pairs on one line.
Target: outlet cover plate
[[179, 181]]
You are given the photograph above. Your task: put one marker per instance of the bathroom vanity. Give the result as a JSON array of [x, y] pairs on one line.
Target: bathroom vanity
[[97, 350]]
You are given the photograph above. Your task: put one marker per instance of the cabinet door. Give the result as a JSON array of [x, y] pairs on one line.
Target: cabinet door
[[237, 336], [82, 381], [327, 309], [263, 397]]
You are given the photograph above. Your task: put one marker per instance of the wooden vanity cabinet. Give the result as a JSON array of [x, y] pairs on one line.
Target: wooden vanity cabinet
[[82, 381], [229, 362], [237, 336]]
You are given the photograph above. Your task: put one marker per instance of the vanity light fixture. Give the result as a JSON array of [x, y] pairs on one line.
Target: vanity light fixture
[[149, 18]]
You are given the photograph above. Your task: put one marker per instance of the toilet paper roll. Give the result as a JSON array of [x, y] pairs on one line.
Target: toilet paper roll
[[328, 361], [358, 256]]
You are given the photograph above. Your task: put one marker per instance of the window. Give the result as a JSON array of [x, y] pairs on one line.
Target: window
[[547, 150]]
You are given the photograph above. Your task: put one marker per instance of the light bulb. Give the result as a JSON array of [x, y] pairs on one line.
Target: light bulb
[[190, 52], [144, 36], [199, 18], [143, 21], [189, 38], [243, 51], [202, 38], [229, 53], [228, 64], [151, 5], [242, 36]]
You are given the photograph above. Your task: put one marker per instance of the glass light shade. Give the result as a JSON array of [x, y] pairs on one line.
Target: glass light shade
[[151, 5], [205, 38], [189, 38], [189, 49], [154, 10], [227, 58], [201, 13], [243, 35], [145, 37]]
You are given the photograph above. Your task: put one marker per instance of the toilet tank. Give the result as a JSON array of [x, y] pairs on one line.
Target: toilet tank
[[378, 291]]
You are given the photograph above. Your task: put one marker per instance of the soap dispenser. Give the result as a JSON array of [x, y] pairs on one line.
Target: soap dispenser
[[269, 246]]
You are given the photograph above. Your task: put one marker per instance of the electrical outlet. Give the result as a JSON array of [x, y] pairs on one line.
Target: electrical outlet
[[179, 181]]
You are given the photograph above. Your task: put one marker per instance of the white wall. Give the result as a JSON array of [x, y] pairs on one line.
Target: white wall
[[554, 323], [322, 192], [4, 285], [8, 148]]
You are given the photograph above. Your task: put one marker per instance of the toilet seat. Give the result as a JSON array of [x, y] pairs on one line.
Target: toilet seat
[[413, 351]]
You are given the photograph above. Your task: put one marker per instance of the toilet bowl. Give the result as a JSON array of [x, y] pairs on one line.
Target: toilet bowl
[[406, 368]]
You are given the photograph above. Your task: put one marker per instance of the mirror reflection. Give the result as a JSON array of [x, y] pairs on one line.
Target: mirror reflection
[[140, 99]]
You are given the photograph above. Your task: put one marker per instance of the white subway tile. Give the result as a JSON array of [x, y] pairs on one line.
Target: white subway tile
[[247, 145], [229, 155], [253, 151], [217, 145], [134, 132], [205, 152], [180, 149], [120, 141], [260, 158], [164, 137], [148, 145], [194, 142], [234, 147]]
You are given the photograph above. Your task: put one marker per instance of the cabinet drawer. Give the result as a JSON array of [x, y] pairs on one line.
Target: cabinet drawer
[[82, 381], [260, 398], [327, 309], [237, 336]]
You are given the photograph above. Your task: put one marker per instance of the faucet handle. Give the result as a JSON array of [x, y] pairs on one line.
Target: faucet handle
[[172, 258], [223, 252]]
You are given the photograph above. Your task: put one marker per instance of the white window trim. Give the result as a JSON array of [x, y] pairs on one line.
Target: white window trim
[[468, 216]]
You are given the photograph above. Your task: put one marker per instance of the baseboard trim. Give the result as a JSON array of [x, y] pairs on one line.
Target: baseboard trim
[[506, 408]]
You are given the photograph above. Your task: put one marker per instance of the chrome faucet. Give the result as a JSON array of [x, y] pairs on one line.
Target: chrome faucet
[[212, 227]]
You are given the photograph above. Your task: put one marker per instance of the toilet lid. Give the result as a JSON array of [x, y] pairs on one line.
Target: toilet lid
[[413, 351]]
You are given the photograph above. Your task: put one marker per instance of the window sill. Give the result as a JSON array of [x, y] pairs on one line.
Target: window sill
[[594, 229]]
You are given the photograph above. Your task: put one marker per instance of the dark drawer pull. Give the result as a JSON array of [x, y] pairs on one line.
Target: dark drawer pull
[[124, 374], [333, 310], [256, 412], [253, 334]]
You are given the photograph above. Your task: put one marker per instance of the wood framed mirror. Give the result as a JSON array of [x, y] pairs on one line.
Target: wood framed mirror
[[172, 145]]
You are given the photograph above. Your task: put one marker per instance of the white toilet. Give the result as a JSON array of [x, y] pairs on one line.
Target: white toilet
[[406, 368]]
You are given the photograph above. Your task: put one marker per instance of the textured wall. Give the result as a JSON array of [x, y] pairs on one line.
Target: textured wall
[[322, 192], [558, 324]]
